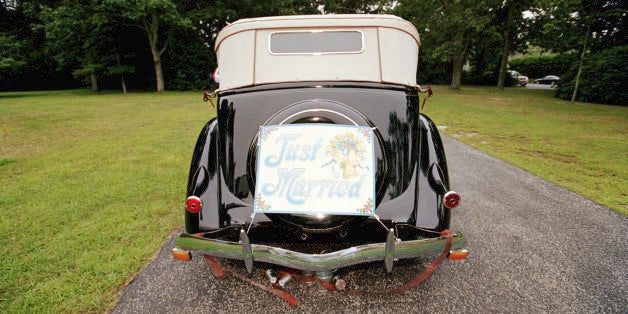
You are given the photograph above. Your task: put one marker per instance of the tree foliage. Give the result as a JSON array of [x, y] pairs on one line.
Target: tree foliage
[[510, 15], [560, 25], [603, 80], [158, 19], [564, 26], [77, 37], [355, 6], [28, 64], [158, 44], [12, 60], [448, 28]]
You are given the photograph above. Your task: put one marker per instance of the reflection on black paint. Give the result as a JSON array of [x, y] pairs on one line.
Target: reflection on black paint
[[401, 147], [226, 129]]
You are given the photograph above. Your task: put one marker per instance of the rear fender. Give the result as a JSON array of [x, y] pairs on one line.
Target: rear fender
[[203, 181], [433, 179]]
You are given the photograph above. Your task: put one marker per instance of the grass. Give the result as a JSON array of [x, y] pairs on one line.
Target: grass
[[581, 146], [92, 184]]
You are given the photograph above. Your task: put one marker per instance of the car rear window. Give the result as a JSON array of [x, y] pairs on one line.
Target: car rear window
[[316, 42]]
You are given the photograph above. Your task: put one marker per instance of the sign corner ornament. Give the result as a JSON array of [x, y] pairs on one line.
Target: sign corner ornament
[[315, 169]]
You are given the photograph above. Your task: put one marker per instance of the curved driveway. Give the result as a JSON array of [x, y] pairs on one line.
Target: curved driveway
[[535, 247]]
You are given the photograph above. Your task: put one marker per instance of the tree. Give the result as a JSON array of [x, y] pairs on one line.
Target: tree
[[156, 18], [564, 26], [448, 27], [191, 57], [512, 8], [11, 56], [603, 79], [27, 65], [355, 6], [582, 57], [75, 34], [560, 25], [119, 69], [598, 14], [81, 36]]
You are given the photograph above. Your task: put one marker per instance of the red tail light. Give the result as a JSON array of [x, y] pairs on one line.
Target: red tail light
[[194, 204], [451, 199]]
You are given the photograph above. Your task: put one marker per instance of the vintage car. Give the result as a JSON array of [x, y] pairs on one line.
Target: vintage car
[[318, 157]]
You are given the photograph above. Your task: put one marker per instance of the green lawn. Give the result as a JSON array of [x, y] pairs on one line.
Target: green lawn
[[92, 184], [582, 147]]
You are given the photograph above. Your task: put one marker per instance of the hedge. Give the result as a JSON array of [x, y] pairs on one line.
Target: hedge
[[538, 66], [604, 78]]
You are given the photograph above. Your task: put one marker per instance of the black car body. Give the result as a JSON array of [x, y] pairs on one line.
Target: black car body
[[265, 81]]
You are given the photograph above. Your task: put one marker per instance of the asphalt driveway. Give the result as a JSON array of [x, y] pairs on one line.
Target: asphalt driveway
[[535, 247]]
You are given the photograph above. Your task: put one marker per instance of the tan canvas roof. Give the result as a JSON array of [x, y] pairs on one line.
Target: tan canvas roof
[[386, 50], [328, 20]]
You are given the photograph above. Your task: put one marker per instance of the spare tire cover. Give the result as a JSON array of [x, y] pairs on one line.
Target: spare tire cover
[[319, 111]]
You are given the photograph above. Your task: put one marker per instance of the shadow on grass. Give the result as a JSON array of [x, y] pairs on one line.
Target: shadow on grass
[[9, 95]]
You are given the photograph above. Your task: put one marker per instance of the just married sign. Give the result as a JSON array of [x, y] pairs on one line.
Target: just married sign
[[315, 169]]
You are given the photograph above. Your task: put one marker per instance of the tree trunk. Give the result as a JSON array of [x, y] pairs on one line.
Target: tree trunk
[[456, 76], [94, 79], [507, 44], [584, 50], [159, 76], [123, 84], [151, 27], [122, 80], [458, 64]]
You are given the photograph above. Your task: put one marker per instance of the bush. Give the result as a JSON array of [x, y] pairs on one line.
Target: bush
[[433, 72], [603, 80], [537, 66]]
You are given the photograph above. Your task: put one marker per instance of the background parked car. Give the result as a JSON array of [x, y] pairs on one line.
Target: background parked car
[[521, 79], [548, 80]]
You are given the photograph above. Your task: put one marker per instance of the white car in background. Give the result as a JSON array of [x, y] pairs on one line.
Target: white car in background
[[521, 79]]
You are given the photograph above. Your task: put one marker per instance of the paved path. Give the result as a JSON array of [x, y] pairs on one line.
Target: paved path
[[535, 247]]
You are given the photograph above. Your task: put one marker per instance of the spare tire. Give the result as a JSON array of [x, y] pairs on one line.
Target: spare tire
[[320, 111]]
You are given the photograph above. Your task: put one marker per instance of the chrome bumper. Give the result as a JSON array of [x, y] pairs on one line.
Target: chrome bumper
[[312, 262]]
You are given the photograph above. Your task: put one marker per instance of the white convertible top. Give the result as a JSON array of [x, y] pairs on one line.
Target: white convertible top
[[346, 47]]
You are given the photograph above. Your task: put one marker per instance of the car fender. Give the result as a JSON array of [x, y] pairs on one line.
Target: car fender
[[203, 181], [433, 179]]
